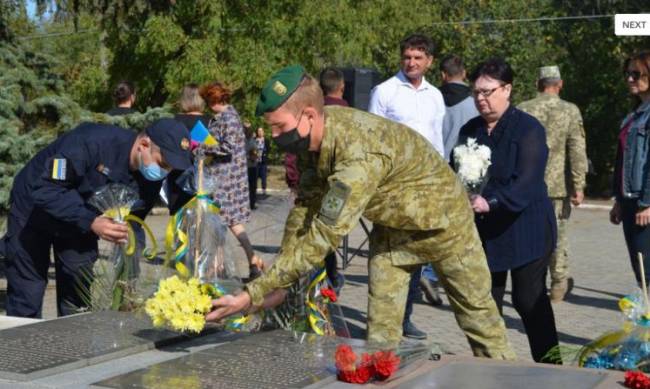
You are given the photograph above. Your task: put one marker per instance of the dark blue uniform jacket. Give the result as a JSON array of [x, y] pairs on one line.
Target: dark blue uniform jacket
[[52, 189]]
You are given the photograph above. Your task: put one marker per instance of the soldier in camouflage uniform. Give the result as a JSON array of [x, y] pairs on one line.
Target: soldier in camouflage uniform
[[358, 164], [566, 167]]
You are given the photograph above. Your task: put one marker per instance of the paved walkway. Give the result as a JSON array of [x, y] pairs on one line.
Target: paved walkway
[[599, 265]]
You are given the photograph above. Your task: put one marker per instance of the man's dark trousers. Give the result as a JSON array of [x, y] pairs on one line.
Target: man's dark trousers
[[27, 250]]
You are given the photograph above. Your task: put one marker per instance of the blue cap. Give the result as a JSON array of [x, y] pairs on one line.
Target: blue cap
[[174, 141]]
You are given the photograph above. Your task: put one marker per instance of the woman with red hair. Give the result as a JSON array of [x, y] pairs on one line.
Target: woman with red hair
[[231, 176]]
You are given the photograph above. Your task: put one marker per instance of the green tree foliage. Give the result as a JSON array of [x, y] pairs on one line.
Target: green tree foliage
[[163, 44], [593, 72], [34, 109], [29, 116]]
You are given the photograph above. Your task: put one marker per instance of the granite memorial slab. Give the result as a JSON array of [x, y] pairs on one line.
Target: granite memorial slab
[[490, 376], [48, 347], [276, 359]]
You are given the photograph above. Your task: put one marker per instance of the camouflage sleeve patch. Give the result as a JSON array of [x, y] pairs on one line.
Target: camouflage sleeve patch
[[333, 203]]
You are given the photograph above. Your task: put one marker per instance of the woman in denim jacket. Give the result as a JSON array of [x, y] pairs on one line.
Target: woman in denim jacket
[[631, 172]]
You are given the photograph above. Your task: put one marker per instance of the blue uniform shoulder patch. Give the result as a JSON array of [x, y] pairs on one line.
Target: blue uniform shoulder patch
[[59, 169]]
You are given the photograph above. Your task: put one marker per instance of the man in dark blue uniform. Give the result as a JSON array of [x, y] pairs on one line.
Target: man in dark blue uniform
[[49, 205]]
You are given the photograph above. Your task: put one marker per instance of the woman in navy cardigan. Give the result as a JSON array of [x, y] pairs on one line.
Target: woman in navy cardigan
[[514, 214]]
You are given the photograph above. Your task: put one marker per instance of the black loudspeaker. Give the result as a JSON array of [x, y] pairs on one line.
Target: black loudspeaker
[[358, 84]]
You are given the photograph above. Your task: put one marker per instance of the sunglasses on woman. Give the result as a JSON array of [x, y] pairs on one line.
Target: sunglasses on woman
[[635, 74]]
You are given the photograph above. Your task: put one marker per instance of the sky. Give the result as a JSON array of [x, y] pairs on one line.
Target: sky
[[31, 9]]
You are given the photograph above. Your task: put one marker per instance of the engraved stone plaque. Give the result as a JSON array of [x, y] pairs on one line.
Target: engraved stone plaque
[[491, 376], [48, 347], [276, 359]]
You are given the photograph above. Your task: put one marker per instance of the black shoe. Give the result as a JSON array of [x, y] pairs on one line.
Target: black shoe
[[431, 293], [411, 331], [569, 287]]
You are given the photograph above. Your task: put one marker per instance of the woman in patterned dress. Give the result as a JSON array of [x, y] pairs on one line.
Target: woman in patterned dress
[[231, 176]]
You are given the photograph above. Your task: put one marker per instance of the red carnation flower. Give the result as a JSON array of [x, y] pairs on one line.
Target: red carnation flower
[[348, 371], [346, 376], [365, 369], [637, 380], [358, 376], [345, 358], [329, 294], [363, 374], [386, 363]]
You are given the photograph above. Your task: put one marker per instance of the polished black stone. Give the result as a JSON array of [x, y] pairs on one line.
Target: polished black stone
[[490, 376], [53, 346], [276, 359]]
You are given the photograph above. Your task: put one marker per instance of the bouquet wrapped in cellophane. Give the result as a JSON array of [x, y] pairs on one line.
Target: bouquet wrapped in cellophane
[[309, 306], [471, 162], [195, 243], [361, 363], [627, 348], [117, 283]]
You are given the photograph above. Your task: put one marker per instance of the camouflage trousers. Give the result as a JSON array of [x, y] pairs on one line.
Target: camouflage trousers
[[559, 264], [463, 271]]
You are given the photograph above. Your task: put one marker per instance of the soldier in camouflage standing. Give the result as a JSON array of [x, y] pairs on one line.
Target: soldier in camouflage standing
[[361, 164], [566, 168]]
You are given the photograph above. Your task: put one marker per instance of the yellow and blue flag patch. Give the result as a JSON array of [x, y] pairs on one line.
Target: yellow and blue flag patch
[[200, 134], [59, 169]]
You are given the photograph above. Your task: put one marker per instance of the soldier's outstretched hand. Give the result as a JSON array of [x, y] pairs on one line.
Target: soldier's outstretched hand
[[110, 230], [228, 305]]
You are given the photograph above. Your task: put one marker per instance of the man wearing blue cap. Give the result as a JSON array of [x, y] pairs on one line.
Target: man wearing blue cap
[[358, 164], [48, 205]]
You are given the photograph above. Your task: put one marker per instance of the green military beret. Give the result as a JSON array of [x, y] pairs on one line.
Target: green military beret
[[278, 89], [552, 72]]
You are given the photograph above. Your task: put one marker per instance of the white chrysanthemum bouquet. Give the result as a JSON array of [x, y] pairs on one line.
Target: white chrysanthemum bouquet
[[472, 161]]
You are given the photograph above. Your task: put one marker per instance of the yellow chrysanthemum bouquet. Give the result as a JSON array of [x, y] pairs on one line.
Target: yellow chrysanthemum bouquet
[[195, 242], [180, 304]]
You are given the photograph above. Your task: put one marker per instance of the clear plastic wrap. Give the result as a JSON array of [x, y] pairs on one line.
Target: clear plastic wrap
[[195, 241], [360, 362], [627, 348], [116, 286], [310, 305], [196, 238]]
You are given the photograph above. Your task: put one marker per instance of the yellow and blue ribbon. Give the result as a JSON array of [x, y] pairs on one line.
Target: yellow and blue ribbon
[[175, 231], [627, 305], [116, 214], [174, 227], [234, 323], [315, 316]]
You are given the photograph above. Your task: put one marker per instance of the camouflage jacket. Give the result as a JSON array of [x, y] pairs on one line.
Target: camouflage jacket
[[565, 137], [367, 166]]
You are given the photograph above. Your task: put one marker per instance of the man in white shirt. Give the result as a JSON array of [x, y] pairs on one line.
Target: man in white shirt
[[409, 99]]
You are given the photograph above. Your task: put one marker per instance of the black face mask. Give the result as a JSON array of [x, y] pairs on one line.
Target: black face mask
[[292, 142]]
